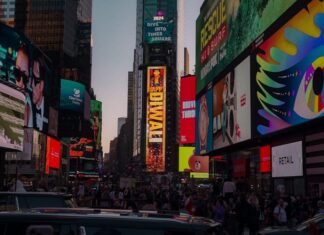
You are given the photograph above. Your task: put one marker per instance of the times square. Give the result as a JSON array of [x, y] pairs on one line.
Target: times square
[[228, 144]]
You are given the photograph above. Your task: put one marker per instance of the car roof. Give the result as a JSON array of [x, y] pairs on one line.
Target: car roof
[[34, 193], [102, 217]]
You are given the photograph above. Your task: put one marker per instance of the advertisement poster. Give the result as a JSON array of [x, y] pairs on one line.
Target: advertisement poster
[[96, 121], [30, 71], [287, 160], [81, 147], [198, 166], [157, 31], [204, 123], [232, 107], [222, 24], [155, 119], [12, 108], [53, 157], [72, 96], [187, 110], [290, 76]]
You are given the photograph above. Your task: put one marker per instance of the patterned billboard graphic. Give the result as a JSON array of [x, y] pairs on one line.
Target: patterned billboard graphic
[[225, 28], [232, 107], [155, 133], [291, 71], [204, 123]]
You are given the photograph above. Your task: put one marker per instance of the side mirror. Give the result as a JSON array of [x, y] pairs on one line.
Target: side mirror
[[40, 230]]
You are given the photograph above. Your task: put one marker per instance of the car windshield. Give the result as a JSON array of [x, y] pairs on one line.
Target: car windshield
[[305, 225]]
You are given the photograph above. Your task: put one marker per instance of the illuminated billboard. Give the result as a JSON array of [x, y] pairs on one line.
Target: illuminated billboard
[[12, 109], [155, 119], [187, 109], [232, 107], [96, 121], [81, 147], [204, 123], [290, 76], [198, 166], [222, 24], [157, 31], [72, 96], [53, 154], [29, 70]]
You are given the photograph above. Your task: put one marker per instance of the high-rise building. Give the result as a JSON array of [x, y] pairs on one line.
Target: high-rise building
[[159, 38], [130, 96], [121, 122], [186, 61]]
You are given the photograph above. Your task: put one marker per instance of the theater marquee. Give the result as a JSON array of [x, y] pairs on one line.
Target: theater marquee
[[155, 134]]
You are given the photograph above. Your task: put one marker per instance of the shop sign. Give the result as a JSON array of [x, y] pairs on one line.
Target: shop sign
[[287, 160]]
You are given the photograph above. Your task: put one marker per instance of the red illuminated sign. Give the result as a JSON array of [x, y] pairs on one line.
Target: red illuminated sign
[[265, 163], [52, 154], [187, 109]]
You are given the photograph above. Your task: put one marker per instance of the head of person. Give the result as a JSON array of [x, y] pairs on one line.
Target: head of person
[[21, 70], [38, 81]]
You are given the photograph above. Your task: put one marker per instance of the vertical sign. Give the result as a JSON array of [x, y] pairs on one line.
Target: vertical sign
[[155, 133]]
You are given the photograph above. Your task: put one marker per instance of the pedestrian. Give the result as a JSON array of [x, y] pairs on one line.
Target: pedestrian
[[279, 213]]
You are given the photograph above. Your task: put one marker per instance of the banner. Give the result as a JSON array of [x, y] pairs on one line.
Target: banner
[[290, 76], [232, 107], [187, 110], [155, 119], [225, 28], [287, 160]]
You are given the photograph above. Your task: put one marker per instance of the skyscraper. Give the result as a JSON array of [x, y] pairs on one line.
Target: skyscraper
[[158, 39]]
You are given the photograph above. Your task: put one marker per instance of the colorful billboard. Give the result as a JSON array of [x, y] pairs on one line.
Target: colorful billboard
[[204, 123], [198, 166], [232, 107], [53, 154], [222, 24], [157, 31], [72, 96], [290, 75], [155, 119], [96, 121], [187, 110], [81, 147], [12, 108], [27, 68]]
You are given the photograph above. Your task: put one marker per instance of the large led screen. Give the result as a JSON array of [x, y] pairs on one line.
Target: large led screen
[[155, 119], [72, 96], [198, 166], [96, 121], [187, 109], [27, 68], [291, 70], [53, 154], [225, 28], [287, 160], [81, 147], [204, 123], [232, 107], [157, 31], [12, 108]]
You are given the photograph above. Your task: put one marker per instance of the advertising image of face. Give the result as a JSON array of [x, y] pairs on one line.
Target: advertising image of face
[[21, 70], [198, 163]]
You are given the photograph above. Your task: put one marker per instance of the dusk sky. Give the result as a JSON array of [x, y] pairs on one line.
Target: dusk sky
[[113, 30]]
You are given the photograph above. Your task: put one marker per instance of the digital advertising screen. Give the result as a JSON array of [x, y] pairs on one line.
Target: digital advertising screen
[[222, 24], [30, 71], [12, 113], [81, 147], [187, 110], [72, 96], [96, 121], [290, 75], [53, 154], [287, 160], [204, 123], [155, 119], [232, 107], [158, 31], [198, 166]]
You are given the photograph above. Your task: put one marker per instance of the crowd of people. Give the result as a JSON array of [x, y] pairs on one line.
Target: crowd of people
[[237, 210]]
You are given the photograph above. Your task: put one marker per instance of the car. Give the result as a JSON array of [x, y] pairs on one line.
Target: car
[[315, 223], [80, 221], [17, 201]]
